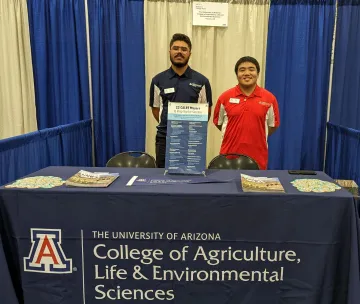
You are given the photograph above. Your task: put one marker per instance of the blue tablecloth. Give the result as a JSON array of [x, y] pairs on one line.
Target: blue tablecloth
[[191, 243], [7, 291]]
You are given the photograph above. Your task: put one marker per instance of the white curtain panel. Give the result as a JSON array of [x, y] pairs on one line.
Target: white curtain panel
[[214, 53], [17, 97]]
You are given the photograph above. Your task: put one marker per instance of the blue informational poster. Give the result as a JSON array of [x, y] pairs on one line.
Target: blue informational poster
[[186, 138]]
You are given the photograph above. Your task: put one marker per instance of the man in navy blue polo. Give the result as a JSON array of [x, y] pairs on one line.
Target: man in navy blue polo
[[177, 84]]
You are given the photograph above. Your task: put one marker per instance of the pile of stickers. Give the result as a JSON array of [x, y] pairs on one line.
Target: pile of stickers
[[314, 185], [37, 182]]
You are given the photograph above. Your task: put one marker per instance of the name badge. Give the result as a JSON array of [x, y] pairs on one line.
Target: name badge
[[234, 100], [169, 90]]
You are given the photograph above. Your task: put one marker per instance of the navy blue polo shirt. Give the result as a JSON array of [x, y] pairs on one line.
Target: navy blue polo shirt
[[191, 87]]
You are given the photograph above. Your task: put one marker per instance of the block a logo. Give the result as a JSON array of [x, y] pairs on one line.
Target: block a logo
[[46, 254]]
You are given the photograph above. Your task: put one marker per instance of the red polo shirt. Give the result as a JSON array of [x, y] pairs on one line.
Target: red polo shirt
[[245, 121]]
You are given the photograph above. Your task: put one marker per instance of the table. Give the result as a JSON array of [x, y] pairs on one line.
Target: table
[[7, 291], [193, 243]]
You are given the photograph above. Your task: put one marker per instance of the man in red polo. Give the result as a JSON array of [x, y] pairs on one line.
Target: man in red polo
[[247, 114]]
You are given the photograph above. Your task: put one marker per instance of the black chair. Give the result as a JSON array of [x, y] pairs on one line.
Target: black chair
[[134, 159], [233, 161]]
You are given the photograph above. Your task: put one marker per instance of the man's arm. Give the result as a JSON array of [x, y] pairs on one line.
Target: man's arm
[[274, 117], [156, 113], [205, 96], [155, 100], [208, 95], [218, 114]]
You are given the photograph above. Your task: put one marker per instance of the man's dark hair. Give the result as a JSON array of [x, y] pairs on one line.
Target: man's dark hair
[[180, 37], [247, 59]]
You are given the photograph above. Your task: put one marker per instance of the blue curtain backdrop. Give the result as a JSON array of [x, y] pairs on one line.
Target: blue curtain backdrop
[[297, 73], [118, 76], [345, 99], [59, 55]]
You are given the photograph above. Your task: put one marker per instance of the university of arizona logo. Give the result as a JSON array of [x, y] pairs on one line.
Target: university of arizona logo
[[46, 254]]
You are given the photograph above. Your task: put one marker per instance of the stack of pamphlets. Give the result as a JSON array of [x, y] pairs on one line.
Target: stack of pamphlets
[[91, 179], [260, 184]]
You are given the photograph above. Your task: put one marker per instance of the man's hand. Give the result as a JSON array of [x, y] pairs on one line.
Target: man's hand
[[272, 130]]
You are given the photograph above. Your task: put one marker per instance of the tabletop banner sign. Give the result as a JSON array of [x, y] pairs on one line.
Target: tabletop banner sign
[[176, 180], [186, 138]]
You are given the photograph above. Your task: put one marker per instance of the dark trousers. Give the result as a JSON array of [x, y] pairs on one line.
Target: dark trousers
[[160, 145]]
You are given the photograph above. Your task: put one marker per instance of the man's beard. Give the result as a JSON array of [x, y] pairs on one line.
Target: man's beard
[[179, 64]]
